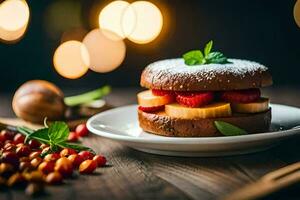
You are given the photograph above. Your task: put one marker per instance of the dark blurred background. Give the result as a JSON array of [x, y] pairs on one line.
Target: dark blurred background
[[263, 31]]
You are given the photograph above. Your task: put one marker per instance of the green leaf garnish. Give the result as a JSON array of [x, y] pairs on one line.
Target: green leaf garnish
[[196, 57], [58, 132], [55, 134], [75, 146], [193, 57], [228, 129], [208, 48]]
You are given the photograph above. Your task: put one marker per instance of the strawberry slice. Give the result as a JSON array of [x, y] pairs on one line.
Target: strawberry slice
[[151, 109], [241, 96], [161, 92], [194, 99]]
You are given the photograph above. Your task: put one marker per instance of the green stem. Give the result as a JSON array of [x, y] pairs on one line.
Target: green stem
[[87, 97]]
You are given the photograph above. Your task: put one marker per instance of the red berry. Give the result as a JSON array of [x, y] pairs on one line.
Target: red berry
[[87, 166], [75, 159], [194, 99], [23, 150], [151, 109], [9, 147], [51, 157], [34, 154], [64, 167], [73, 137], [43, 146], [46, 167], [34, 144], [19, 138], [10, 157], [46, 150], [101, 160], [36, 161], [86, 155], [8, 135], [2, 138], [241, 96], [82, 130], [162, 92], [54, 178], [66, 152]]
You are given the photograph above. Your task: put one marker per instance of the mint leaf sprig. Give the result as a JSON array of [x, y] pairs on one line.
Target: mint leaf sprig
[[228, 129], [55, 135], [196, 57]]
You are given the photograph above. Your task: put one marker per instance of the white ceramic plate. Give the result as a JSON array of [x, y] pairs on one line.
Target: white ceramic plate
[[121, 124]]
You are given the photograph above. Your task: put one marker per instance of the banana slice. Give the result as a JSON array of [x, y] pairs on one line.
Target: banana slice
[[147, 99], [259, 106], [209, 111]]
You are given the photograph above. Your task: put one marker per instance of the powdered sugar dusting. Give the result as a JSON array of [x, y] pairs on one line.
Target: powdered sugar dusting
[[237, 67]]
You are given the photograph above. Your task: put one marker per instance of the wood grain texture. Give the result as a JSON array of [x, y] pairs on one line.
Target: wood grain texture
[[136, 175]]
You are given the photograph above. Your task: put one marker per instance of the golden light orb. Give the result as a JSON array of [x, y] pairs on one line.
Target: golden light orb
[[14, 18], [297, 13], [110, 17], [142, 22], [105, 53], [71, 59]]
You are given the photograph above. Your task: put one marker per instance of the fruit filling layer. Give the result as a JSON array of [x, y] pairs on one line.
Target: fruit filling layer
[[191, 105]]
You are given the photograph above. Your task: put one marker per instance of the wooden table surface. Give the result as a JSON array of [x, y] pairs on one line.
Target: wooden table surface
[[136, 175]]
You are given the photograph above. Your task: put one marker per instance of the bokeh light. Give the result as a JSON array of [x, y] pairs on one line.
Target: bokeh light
[[142, 22], [105, 54], [297, 13], [71, 59], [14, 18], [110, 17]]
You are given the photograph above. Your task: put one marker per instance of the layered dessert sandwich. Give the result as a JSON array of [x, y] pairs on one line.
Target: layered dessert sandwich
[[204, 94]]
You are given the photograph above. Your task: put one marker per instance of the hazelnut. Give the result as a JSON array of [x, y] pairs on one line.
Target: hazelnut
[[36, 94]]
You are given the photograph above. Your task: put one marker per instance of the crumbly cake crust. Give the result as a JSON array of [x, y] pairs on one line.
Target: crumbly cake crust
[[161, 124], [174, 74]]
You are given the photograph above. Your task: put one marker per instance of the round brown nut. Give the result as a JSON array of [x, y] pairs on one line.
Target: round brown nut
[[36, 94]]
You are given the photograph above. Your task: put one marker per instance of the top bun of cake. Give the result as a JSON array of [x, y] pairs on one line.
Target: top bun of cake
[[174, 74]]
